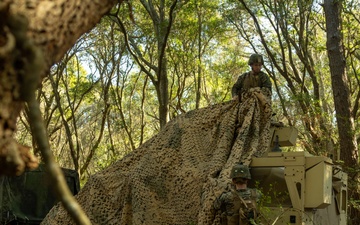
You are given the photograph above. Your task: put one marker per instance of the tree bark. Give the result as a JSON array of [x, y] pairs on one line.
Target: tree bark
[[51, 26], [55, 25], [339, 82], [33, 36], [345, 121]]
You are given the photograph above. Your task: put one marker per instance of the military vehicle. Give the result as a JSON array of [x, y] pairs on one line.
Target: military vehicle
[[26, 199], [298, 188]]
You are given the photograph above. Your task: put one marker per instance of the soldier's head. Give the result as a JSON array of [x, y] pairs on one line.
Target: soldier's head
[[240, 174], [256, 61]]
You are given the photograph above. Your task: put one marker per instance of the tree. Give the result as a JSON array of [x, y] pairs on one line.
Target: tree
[[285, 33], [25, 38], [345, 120], [200, 53], [68, 23], [184, 64], [161, 14]]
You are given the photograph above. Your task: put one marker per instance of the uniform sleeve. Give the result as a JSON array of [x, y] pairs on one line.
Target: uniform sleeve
[[259, 195], [265, 81], [237, 86], [221, 200], [217, 203]]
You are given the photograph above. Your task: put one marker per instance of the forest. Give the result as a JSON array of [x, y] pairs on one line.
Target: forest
[[115, 76]]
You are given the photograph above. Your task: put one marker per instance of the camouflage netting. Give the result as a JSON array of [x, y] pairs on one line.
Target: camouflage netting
[[175, 177]]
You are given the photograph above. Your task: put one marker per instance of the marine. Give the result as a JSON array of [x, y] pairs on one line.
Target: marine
[[238, 206]]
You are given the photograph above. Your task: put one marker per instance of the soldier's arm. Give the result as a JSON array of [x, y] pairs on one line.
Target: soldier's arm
[[265, 81], [237, 86], [218, 202], [235, 89]]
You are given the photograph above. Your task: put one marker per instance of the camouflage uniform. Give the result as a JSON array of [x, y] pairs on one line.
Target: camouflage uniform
[[238, 207], [250, 80]]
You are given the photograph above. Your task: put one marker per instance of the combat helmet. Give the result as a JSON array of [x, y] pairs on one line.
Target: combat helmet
[[240, 171], [256, 58]]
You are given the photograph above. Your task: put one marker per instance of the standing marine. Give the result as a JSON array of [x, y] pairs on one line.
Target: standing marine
[[252, 79]]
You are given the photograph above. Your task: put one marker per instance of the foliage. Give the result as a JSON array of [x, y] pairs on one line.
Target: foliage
[[102, 100]]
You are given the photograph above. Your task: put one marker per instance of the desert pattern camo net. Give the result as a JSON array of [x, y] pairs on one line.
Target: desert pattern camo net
[[175, 176]]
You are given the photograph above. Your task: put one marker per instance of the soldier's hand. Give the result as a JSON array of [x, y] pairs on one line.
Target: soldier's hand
[[261, 97]]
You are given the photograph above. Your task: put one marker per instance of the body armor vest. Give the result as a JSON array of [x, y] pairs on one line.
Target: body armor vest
[[244, 209], [251, 81]]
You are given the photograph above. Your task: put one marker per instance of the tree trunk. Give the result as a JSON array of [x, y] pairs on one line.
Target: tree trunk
[[199, 66], [163, 93], [50, 26], [34, 35], [56, 25], [345, 121]]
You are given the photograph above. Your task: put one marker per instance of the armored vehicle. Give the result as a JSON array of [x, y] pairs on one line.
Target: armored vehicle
[[26, 199], [299, 188]]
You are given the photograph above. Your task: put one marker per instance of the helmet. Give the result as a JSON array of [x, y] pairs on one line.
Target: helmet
[[240, 171], [256, 58]]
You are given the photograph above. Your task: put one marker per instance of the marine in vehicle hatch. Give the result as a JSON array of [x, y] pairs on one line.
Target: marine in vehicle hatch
[[238, 205]]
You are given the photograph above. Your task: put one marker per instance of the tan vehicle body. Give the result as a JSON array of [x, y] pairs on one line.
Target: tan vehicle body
[[300, 188]]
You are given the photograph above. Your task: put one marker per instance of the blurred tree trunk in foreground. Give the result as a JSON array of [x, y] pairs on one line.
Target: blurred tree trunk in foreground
[[33, 36]]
